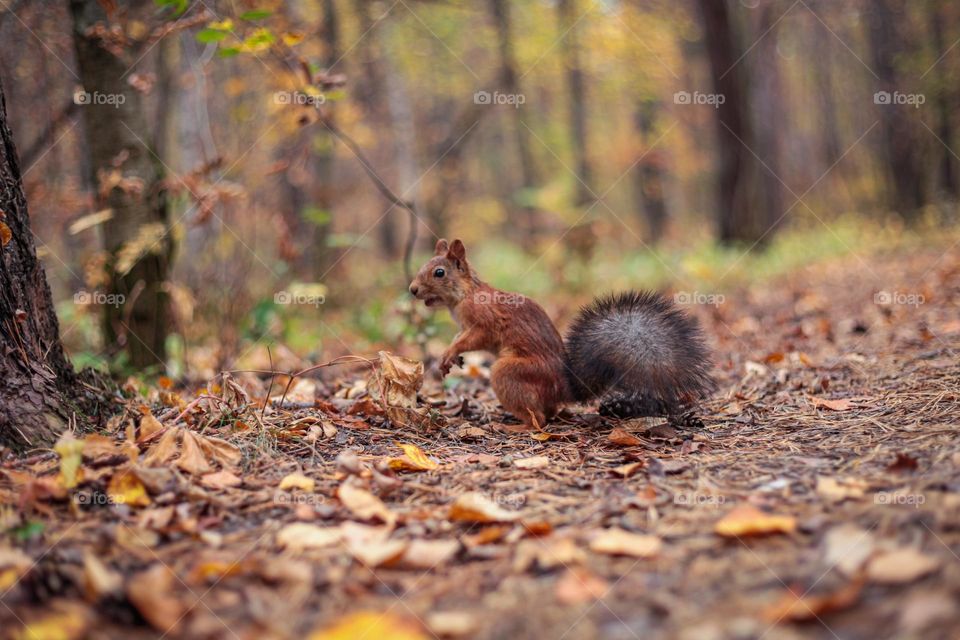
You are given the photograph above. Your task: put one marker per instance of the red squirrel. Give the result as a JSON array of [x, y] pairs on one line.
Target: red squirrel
[[635, 350]]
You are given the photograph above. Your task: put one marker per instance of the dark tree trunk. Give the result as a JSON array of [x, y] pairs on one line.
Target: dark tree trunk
[[945, 100], [742, 213], [500, 13], [117, 141], [649, 174], [901, 153], [37, 384], [570, 50]]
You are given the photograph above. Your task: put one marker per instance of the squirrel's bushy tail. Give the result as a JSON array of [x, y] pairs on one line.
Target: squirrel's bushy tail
[[638, 351]]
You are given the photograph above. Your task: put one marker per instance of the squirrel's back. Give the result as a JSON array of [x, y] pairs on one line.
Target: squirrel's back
[[641, 351]]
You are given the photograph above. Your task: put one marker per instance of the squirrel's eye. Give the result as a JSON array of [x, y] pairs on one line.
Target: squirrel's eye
[[439, 273]]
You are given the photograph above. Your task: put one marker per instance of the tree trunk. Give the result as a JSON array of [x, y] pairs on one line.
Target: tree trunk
[[570, 51], [742, 216], [946, 92], [137, 237], [500, 12], [649, 173], [37, 384], [903, 159]]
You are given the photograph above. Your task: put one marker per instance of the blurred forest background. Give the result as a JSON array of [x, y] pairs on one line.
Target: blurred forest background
[[210, 179]]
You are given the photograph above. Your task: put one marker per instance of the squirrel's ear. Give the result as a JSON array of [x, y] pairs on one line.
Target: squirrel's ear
[[441, 247], [457, 252]]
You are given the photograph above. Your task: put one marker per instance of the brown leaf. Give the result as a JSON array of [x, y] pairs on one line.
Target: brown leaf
[[164, 450], [451, 624], [840, 489], [191, 457], [536, 462], [428, 554], [901, 566], [153, 593], [220, 451], [627, 470], [623, 438], [414, 459], [301, 535], [579, 586], [220, 480], [98, 580], [798, 608], [747, 520], [841, 404], [847, 547], [401, 379], [371, 546], [148, 427], [364, 504]]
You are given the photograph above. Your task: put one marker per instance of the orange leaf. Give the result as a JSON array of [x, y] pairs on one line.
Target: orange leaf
[[414, 459], [841, 404], [624, 439], [747, 520]]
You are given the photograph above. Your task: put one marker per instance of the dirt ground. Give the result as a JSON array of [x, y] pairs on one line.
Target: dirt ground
[[820, 498]]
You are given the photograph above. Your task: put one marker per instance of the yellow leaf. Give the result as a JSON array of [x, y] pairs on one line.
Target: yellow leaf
[[414, 459], [222, 25], [297, 481], [371, 624], [126, 488], [70, 451], [292, 39], [616, 541], [66, 622], [747, 520]]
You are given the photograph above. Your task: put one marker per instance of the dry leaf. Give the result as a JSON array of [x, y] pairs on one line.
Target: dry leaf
[[473, 506], [372, 625], [547, 554], [428, 554], [97, 446], [799, 608], [164, 450], [70, 451], [450, 624], [98, 580], [364, 504], [616, 541], [126, 488], [840, 489], [300, 536], [579, 586], [153, 593], [401, 378], [220, 451], [901, 566], [623, 438], [63, 621], [414, 459], [627, 470], [847, 547], [148, 427], [220, 480], [834, 405], [536, 462], [191, 457], [747, 520], [298, 481]]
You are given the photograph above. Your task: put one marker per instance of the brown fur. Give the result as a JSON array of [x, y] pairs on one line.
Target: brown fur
[[528, 376]]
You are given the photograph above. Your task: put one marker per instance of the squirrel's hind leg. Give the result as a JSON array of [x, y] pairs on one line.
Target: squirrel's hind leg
[[519, 385]]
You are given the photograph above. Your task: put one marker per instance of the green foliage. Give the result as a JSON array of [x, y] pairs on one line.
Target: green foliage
[[178, 6]]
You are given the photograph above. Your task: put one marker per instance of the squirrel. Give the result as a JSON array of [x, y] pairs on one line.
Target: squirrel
[[635, 350]]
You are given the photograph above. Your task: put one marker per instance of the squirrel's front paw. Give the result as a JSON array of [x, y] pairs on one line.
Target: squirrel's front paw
[[447, 362]]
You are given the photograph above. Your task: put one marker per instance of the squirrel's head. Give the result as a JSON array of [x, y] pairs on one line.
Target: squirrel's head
[[445, 278]]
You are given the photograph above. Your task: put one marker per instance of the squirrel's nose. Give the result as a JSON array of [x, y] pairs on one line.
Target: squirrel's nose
[[413, 289]]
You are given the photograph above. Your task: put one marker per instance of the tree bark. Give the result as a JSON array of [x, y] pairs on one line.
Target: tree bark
[[117, 135], [37, 384]]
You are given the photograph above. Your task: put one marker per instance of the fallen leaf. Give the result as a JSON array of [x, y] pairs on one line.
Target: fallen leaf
[[97, 446], [615, 541], [126, 488], [901, 566], [64, 621], [413, 459], [547, 554], [373, 625], [301, 535], [747, 520], [798, 608], [627, 470], [579, 586], [364, 504], [149, 426], [473, 506], [191, 457], [847, 547], [623, 438], [297, 481], [834, 405], [220, 480], [70, 451], [220, 451], [428, 554], [401, 379], [98, 580], [840, 489], [536, 462], [925, 609], [164, 450], [153, 593], [450, 624]]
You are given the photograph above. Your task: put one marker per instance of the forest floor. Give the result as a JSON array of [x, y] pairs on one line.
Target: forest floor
[[820, 499]]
